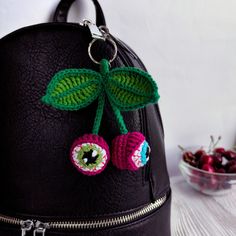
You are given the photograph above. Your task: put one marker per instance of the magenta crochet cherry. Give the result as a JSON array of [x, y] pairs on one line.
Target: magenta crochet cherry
[[130, 151], [90, 154]]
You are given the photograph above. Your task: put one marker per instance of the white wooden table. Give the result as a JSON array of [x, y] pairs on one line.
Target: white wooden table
[[195, 214]]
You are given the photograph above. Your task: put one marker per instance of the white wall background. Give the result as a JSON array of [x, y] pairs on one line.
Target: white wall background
[[189, 46]]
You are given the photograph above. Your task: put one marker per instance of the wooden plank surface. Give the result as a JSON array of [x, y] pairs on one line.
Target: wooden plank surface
[[195, 214]]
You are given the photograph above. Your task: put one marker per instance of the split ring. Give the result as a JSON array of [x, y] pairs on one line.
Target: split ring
[[106, 39]]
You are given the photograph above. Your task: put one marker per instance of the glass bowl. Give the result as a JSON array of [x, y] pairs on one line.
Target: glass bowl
[[206, 182]]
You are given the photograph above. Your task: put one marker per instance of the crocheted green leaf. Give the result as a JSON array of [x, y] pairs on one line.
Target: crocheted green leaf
[[73, 89], [130, 88]]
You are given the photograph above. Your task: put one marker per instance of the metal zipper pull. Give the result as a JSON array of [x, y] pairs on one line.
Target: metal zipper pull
[[40, 228], [26, 226], [94, 30]]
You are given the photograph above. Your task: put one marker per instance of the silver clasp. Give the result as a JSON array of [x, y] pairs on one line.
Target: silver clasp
[[96, 33], [40, 228], [26, 226]]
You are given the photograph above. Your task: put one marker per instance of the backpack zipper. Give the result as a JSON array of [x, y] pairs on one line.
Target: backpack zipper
[[39, 228]]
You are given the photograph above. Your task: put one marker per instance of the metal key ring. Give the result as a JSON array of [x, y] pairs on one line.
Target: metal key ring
[[113, 44]]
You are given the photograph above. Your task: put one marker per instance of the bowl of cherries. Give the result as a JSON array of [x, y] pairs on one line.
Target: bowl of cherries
[[211, 170]]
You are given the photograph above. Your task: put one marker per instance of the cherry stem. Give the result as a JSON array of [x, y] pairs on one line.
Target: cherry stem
[[181, 148], [104, 66], [104, 69], [211, 143], [99, 113], [119, 118], [216, 143]]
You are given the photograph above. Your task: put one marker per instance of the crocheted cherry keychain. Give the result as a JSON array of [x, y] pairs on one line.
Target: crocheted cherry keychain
[[126, 89]]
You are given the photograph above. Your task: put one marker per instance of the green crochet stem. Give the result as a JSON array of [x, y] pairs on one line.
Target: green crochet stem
[[99, 113], [104, 69], [120, 119]]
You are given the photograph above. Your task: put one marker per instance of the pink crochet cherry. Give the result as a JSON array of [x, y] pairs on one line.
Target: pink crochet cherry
[[90, 154], [130, 151]]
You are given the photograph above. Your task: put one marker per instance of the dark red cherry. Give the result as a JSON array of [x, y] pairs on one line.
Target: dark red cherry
[[190, 158], [196, 176], [220, 151], [217, 159], [232, 169], [213, 183], [229, 164], [230, 155], [208, 167], [221, 178], [206, 159], [199, 153]]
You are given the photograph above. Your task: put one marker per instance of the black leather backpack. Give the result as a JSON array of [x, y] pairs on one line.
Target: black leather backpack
[[41, 192]]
